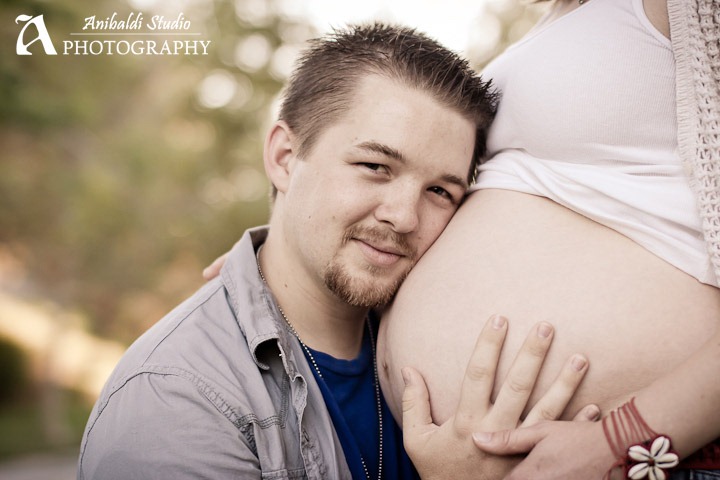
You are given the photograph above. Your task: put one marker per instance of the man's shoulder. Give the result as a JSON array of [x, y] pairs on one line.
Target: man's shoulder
[[190, 325], [199, 341], [174, 393], [192, 385]]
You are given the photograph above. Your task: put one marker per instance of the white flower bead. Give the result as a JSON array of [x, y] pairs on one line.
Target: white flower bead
[[639, 453], [656, 473], [638, 471], [660, 446], [652, 462]]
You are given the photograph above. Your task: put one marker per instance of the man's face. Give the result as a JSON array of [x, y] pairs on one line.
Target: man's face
[[376, 190]]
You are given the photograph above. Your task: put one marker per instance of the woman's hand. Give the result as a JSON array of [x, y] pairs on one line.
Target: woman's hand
[[213, 270], [447, 450], [558, 450]]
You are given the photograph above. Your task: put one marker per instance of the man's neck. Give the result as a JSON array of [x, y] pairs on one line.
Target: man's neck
[[322, 321]]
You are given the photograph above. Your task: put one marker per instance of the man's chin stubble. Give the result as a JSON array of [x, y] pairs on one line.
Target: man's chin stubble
[[368, 295]]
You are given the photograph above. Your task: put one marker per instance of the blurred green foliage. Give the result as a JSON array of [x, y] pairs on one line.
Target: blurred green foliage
[[35, 415], [117, 182], [24, 425], [14, 374]]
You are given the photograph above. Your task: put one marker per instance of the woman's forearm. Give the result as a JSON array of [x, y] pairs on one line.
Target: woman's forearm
[[684, 403], [681, 404]]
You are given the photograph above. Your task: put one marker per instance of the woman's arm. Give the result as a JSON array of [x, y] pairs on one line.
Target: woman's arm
[[682, 405]]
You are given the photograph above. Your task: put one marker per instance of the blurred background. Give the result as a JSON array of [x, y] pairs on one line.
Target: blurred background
[[122, 176]]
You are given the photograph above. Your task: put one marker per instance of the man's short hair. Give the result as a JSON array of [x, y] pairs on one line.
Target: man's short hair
[[322, 86]]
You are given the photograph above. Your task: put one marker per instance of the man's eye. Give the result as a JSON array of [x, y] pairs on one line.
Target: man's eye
[[375, 167], [442, 192]]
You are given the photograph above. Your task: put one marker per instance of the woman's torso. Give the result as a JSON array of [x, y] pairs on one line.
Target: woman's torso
[[587, 118], [634, 314]]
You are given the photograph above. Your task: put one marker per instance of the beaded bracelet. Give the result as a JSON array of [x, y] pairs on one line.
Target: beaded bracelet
[[639, 450]]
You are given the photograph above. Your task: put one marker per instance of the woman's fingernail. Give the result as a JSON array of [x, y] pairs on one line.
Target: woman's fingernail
[[579, 362], [593, 413], [499, 321], [482, 437], [544, 330]]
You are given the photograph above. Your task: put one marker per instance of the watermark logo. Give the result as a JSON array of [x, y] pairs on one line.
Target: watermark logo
[[21, 48], [114, 35]]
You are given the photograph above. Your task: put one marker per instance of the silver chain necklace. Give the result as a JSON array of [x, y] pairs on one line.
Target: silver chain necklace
[[319, 373]]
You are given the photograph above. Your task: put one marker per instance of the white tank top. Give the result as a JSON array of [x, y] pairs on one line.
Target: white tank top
[[587, 119]]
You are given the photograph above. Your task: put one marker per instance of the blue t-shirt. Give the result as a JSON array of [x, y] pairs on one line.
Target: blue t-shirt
[[348, 388]]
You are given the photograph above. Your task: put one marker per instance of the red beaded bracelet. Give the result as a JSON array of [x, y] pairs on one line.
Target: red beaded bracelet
[[640, 452]]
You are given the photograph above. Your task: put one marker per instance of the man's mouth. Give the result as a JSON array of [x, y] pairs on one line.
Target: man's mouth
[[380, 247], [388, 248], [385, 255]]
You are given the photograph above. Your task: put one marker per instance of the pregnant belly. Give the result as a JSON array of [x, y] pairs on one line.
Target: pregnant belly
[[632, 314]]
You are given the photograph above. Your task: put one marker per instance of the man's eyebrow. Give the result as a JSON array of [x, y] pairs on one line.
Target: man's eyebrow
[[388, 151], [461, 182], [381, 148]]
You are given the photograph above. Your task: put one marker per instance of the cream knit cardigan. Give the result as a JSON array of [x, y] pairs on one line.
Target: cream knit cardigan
[[695, 35]]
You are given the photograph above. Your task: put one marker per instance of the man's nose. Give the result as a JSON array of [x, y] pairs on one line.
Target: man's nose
[[400, 209]]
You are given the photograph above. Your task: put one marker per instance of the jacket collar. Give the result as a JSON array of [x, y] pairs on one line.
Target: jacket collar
[[253, 303]]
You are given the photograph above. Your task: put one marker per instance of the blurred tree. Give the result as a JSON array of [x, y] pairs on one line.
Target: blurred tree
[[500, 24], [14, 372], [122, 175]]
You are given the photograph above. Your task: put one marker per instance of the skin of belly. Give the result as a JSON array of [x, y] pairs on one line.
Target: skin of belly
[[632, 314]]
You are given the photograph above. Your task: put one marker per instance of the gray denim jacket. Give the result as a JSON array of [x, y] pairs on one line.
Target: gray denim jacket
[[217, 389]]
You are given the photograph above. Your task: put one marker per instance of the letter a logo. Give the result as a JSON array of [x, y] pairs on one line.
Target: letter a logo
[[22, 47]]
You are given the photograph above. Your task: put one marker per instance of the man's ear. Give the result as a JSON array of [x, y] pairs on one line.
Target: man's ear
[[278, 154]]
